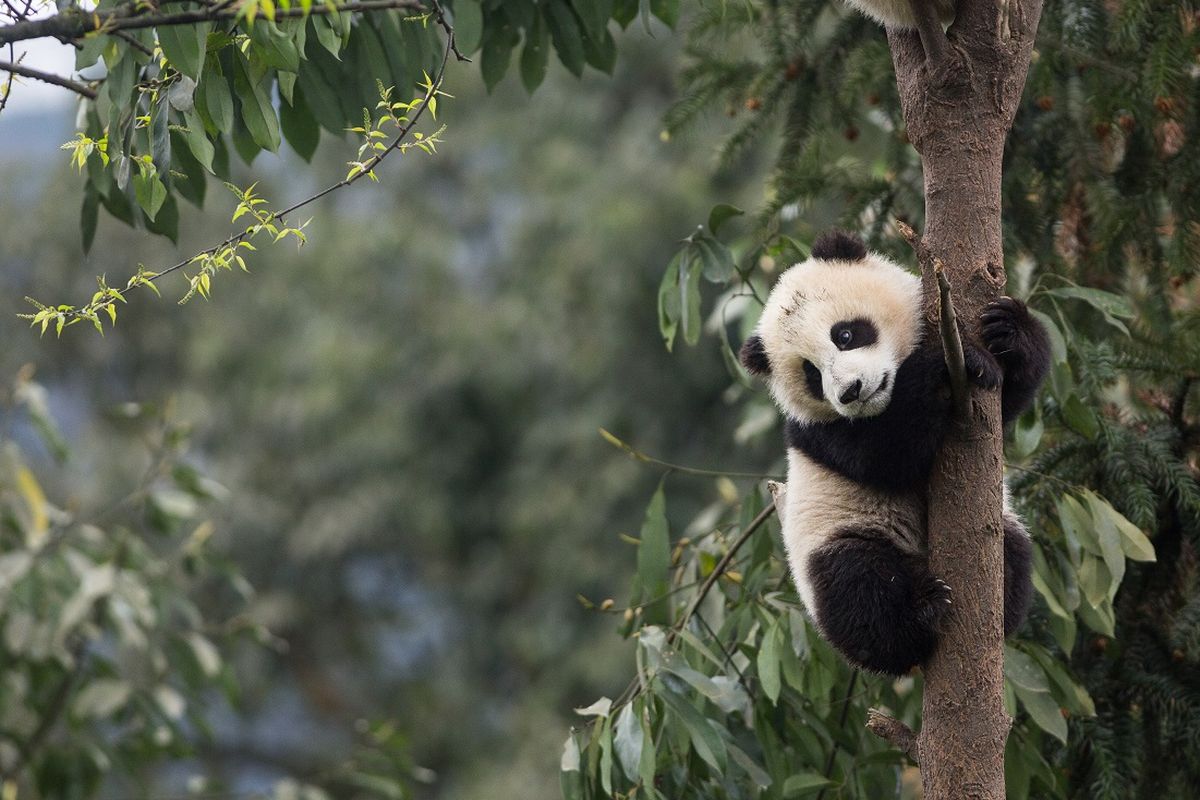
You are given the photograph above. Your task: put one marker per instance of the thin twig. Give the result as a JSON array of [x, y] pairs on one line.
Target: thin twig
[[74, 24], [25, 72], [722, 565], [8, 86], [132, 42], [645, 458], [902, 737], [952, 343]]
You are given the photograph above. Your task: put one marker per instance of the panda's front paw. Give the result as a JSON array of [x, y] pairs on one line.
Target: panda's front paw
[[933, 600], [982, 368], [1005, 324]]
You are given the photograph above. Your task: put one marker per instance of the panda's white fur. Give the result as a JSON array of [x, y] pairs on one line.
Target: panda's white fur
[[899, 14], [861, 439]]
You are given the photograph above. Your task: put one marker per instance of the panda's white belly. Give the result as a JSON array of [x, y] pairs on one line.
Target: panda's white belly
[[819, 504]]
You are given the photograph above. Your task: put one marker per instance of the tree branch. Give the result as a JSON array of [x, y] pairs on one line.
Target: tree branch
[[46, 77], [933, 39], [75, 24], [952, 343], [902, 737]]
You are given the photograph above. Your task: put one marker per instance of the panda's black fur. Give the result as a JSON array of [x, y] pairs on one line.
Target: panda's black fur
[[853, 509]]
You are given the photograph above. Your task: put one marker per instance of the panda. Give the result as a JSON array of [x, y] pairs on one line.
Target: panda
[[867, 404], [899, 14]]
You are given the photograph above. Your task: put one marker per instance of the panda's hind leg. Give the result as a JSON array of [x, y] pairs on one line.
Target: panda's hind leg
[[880, 606], [1018, 558]]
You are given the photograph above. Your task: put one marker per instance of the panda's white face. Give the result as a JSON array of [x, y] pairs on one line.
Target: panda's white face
[[834, 333]]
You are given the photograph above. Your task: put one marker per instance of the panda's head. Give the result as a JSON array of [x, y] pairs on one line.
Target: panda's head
[[834, 330]]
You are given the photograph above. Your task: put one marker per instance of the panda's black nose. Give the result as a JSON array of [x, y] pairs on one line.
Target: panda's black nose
[[851, 393]]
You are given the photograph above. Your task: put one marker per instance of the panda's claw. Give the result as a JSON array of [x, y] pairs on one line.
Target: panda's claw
[[982, 368]]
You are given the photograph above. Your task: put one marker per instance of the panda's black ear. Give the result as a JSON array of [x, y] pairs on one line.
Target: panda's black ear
[[838, 245], [754, 356]]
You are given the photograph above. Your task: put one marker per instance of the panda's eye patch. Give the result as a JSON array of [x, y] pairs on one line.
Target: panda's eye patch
[[853, 334]]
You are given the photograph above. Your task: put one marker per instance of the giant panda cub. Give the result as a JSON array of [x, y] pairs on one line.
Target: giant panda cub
[[867, 404]]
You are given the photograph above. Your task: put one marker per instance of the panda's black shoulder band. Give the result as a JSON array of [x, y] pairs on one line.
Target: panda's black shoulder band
[[840, 246]]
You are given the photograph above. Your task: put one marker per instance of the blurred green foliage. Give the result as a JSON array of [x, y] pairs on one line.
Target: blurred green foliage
[[405, 412]]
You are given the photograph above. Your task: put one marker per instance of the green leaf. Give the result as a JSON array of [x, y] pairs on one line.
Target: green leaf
[[1044, 712], [804, 783], [150, 193], [1109, 538], [1134, 543], [757, 775], [707, 742], [101, 698], [570, 778], [606, 756], [468, 25], [257, 110], [299, 125], [1080, 418], [669, 306], [160, 134], [190, 176], [628, 741], [183, 45], [497, 50], [720, 214], [1100, 618], [274, 47], [648, 759], [214, 98], [196, 140], [601, 51], [566, 35], [1113, 307], [1023, 670], [654, 560], [768, 662], [1027, 433], [1071, 694], [717, 259], [690, 321], [535, 55]]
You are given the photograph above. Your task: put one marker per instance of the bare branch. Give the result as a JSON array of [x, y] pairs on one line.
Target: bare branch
[[74, 24], [952, 343], [46, 77], [913, 239], [902, 737]]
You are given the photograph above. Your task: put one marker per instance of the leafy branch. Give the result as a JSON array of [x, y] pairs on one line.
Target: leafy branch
[[223, 256], [76, 23]]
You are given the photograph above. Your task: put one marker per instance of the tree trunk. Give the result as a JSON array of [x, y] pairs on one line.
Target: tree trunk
[[958, 109]]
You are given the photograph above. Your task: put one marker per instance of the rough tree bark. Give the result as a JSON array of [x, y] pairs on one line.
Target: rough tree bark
[[959, 103]]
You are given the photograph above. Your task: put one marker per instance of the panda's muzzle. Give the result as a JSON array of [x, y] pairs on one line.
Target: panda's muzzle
[[851, 393]]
